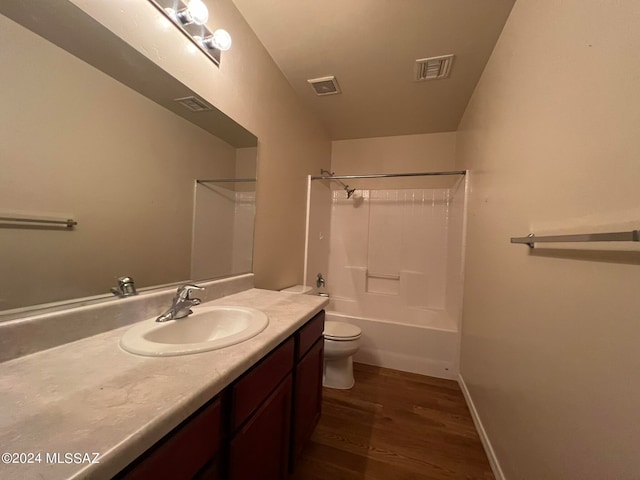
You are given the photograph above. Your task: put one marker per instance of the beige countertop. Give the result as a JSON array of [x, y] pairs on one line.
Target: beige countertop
[[91, 397]]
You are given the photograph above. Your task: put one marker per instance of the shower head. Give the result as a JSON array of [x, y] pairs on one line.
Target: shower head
[[349, 191]]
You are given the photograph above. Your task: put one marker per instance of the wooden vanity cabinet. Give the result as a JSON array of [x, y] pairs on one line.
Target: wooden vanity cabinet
[[266, 445], [255, 428], [192, 447], [307, 394], [261, 418], [260, 450], [253, 388]]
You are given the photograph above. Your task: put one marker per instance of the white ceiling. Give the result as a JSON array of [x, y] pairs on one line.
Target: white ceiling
[[371, 47]]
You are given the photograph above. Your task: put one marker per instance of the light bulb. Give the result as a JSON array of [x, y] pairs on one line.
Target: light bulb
[[221, 40], [198, 12]]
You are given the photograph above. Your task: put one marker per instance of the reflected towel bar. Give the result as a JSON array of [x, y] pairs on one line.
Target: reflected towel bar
[[531, 240], [68, 222]]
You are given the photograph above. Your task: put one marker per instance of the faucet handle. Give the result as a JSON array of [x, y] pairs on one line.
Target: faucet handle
[[185, 290]]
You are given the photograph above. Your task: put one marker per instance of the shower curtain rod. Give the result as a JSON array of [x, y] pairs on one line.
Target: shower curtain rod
[[387, 175], [227, 180]]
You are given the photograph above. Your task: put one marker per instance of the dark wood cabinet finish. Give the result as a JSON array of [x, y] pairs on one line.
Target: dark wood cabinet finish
[[212, 471], [260, 450], [309, 334], [184, 451], [307, 390], [308, 397], [254, 386]]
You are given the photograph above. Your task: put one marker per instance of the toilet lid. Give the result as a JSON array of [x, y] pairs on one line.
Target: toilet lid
[[340, 331]]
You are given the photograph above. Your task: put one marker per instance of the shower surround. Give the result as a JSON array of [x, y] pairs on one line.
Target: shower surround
[[395, 270], [223, 216]]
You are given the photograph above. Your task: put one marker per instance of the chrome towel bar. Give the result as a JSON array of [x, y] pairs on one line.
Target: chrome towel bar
[[531, 240], [68, 222]]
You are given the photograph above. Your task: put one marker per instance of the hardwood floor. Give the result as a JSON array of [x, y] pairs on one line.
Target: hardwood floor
[[394, 426]]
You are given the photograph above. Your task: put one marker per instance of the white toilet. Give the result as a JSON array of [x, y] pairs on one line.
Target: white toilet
[[341, 342]]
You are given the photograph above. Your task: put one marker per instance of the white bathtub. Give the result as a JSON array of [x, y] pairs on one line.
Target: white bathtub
[[411, 348]]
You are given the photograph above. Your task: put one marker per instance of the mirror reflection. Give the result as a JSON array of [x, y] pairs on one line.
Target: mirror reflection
[[78, 144]]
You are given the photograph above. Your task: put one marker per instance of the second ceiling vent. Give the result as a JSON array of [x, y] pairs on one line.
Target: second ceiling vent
[[195, 104], [433, 68], [325, 85]]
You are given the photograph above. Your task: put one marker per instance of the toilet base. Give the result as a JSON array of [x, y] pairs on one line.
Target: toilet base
[[338, 373]]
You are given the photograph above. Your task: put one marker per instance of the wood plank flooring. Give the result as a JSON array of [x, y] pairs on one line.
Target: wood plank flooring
[[394, 426]]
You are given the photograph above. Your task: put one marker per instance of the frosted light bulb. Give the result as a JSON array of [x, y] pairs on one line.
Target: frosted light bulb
[[198, 12], [221, 40]]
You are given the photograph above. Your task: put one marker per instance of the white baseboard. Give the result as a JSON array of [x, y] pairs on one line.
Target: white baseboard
[[486, 443]]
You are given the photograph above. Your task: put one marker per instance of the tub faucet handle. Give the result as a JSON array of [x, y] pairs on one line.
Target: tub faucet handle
[[320, 281]]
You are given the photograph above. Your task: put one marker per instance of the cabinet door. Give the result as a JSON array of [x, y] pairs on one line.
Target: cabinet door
[[255, 386], [307, 396], [184, 451], [260, 450]]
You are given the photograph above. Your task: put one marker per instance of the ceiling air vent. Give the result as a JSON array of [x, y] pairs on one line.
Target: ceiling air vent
[[433, 68], [325, 85], [195, 104]]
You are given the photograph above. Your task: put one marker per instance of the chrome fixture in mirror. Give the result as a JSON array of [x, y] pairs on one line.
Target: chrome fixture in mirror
[[191, 18], [125, 288]]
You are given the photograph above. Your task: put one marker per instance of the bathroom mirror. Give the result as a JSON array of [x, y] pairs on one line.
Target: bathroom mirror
[[91, 132]]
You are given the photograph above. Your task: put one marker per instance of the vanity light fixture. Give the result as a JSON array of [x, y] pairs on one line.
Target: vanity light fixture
[[196, 12], [221, 40], [191, 16]]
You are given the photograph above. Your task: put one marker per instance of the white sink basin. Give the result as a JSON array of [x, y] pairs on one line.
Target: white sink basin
[[208, 328]]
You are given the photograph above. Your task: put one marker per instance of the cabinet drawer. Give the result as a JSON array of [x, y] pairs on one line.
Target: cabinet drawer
[[185, 450], [309, 334], [256, 385]]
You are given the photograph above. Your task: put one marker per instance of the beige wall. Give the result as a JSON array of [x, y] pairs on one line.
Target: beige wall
[[428, 152], [550, 338], [249, 88], [402, 153], [76, 143]]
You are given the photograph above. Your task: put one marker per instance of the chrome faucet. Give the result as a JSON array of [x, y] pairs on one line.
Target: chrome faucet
[[319, 280], [125, 288], [181, 304]]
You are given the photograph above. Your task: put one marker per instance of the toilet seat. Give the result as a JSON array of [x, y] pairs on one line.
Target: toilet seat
[[341, 331]]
